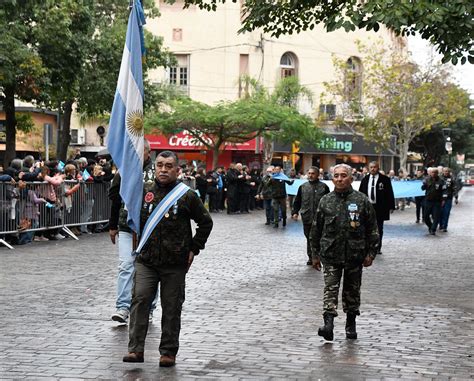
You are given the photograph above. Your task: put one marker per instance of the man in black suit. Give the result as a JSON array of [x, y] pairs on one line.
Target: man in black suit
[[378, 189]]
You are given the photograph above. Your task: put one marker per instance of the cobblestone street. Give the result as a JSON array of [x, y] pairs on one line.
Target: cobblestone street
[[252, 308]]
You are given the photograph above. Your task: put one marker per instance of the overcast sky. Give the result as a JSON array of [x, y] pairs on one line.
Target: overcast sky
[[422, 52]]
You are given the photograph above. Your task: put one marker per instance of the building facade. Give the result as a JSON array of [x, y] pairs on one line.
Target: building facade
[[212, 57]]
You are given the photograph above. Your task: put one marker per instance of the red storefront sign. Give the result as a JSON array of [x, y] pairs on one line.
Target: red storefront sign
[[183, 141]]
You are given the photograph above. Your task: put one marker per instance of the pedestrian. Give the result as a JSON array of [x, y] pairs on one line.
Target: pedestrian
[[201, 183], [165, 258], [378, 188], [451, 192], [232, 177], [118, 227], [419, 200], [278, 185], [265, 194], [435, 197], [344, 239], [306, 203]]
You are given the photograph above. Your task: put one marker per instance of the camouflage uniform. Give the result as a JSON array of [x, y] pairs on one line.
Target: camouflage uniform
[[278, 188], [343, 234], [164, 260], [306, 203]]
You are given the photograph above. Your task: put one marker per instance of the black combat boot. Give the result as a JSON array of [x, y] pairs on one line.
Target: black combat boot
[[327, 330], [284, 221], [351, 332]]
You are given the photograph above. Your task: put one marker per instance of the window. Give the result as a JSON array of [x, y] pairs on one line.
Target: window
[[177, 34], [328, 111], [288, 65], [353, 82], [179, 75], [243, 70]]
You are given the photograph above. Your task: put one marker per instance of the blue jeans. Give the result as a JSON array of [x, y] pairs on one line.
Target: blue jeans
[[445, 212], [27, 237], [125, 273], [268, 210]]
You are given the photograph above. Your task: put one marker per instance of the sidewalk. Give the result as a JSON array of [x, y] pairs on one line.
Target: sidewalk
[[252, 308]]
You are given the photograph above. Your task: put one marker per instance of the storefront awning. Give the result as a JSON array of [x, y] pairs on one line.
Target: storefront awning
[[335, 144], [185, 142]]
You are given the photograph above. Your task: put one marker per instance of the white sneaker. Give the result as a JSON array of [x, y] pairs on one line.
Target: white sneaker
[[40, 239], [60, 236], [120, 316]]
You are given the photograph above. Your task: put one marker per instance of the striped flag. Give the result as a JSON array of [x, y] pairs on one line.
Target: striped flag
[[125, 137]]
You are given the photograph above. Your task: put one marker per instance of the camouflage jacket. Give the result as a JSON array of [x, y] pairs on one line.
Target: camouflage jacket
[[345, 228], [264, 189], [307, 200], [278, 187], [172, 239]]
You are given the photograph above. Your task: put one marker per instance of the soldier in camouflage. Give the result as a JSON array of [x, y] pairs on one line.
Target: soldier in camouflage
[[165, 259], [344, 239], [306, 202]]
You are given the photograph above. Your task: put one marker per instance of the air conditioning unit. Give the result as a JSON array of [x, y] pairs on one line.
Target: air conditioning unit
[[78, 136]]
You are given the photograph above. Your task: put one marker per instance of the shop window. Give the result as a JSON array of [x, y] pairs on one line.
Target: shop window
[[288, 65]]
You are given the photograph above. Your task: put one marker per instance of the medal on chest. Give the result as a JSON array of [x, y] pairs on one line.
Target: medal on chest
[[354, 215], [149, 197]]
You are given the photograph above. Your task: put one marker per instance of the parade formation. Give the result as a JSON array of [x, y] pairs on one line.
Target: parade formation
[[176, 204]]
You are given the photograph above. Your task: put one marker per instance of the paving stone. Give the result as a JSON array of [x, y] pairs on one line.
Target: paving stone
[[252, 308]]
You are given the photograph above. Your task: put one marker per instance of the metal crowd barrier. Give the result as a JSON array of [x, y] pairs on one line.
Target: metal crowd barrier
[[41, 206]]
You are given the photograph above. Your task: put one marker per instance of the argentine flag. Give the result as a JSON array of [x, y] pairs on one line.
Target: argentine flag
[[125, 137]]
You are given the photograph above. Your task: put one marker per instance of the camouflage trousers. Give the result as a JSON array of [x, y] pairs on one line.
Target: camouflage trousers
[[277, 204], [352, 276]]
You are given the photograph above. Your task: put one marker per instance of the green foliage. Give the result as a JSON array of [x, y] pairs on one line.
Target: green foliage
[[446, 24], [399, 98], [24, 122], [257, 114], [21, 67]]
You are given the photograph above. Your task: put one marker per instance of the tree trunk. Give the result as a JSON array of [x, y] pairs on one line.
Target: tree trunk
[[404, 155], [215, 157], [9, 107], [65, 132], [267, 151]]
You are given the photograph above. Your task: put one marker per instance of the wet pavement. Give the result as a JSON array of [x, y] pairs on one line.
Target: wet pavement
[[252, 308]]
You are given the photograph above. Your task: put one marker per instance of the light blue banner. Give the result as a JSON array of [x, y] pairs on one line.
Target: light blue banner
[[401, 189]]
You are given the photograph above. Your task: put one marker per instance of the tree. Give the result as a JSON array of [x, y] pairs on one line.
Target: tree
[[446, 24], [233, 122], [22, 72], [81, 44], [398, 98], [431, 144]]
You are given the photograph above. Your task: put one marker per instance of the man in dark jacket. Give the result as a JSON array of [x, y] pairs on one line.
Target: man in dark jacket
[[344, 238], [278, 186], [306, 202], [118, 227], [232, 177], [165, 259], [378, 189], [435, 197], [265, 193], [451, 192]]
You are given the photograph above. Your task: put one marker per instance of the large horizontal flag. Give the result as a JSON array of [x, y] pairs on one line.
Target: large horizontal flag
[[125, 139]]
